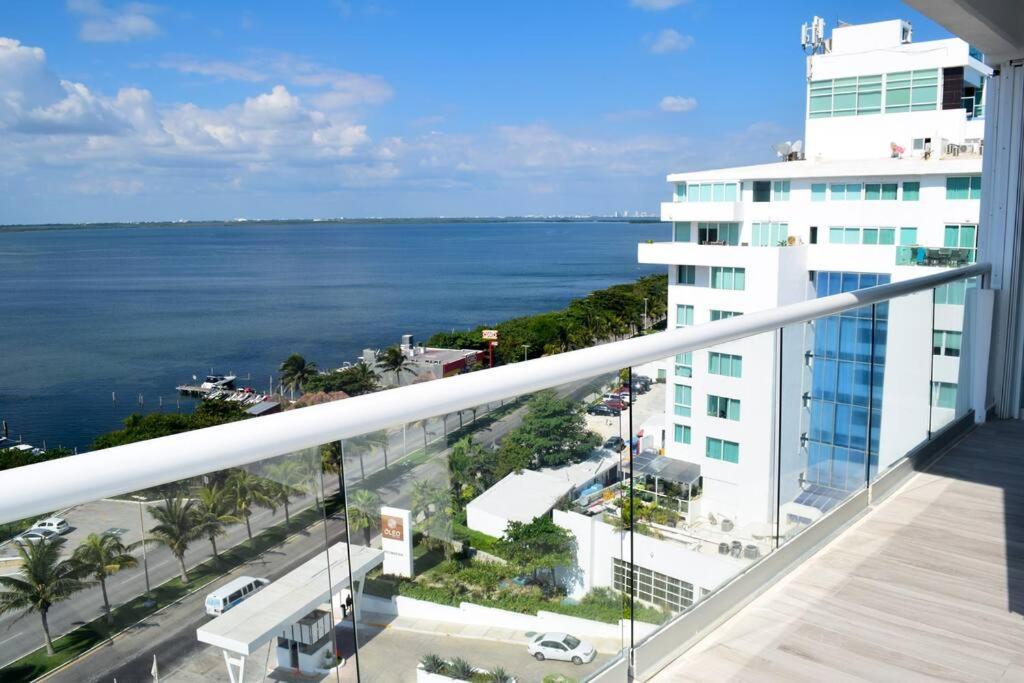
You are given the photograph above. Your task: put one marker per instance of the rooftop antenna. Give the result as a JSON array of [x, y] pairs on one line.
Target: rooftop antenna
[[812, 36], [790, 151]]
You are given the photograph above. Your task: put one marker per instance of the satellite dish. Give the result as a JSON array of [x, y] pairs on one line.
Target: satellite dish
[[783, 149], [797, 147]]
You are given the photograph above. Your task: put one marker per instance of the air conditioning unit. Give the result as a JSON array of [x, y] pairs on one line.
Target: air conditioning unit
[[952, 150]]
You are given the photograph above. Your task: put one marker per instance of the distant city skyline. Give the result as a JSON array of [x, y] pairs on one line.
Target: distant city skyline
[[115, 111]]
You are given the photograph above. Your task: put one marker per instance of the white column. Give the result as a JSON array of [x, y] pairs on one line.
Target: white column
[[231, 662]]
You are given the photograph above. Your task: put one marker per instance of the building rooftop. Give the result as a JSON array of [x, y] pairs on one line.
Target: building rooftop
[[522, 496], [813, 168], [579, 473], [250, 624]]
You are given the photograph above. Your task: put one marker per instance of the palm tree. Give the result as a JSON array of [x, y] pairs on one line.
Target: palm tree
[[424, 493], [44, 580], [437, 526], [249, 492], [102, 555], [296, 371], [363, 512], [393, 360], [424, 423], [287, 475], [382, 440], [332, 460], [214, 510], [361, 379], [177, 526]]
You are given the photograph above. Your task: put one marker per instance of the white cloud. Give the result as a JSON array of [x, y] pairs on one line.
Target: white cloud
[[677, 104], [339, 89], [112, 140], [219, 70], [669, 40], [101, 24], [656, 5]]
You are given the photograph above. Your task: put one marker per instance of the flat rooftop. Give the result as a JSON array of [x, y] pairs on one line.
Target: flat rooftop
[[929, 585], [579, 473], [244, 628], [520, 497]]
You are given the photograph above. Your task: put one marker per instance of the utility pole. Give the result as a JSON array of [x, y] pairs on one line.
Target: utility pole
[[525, 347], [645, 314]]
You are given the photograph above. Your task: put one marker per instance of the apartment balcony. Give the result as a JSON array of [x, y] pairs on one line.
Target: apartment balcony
[[702, 211], [929, 585], [350, 545]]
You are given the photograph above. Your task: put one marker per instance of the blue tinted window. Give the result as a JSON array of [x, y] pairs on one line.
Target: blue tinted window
[[844, 381]]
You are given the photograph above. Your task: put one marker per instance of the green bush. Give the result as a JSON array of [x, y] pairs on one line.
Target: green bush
[[433, 664], [460, 669]]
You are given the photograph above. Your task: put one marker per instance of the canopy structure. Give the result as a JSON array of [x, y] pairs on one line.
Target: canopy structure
[[248, 626], [668, 469]]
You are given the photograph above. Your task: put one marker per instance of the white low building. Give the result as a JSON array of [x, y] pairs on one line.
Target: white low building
[[524, 496], [519, 497]]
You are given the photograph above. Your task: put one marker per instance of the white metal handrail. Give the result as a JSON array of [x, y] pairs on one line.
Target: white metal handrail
[[56, 484]]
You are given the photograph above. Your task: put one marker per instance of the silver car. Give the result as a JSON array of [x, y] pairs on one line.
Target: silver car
[[561, 646], [35, 535]]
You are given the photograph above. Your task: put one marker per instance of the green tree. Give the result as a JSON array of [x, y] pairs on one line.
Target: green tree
[[176, 528], [249, 492], [43, 581], [102, 555], [538, 546], [145, 427], [632, 516], [354, 381], [214, 509], [296, 371], [288, 477], [472, 469], [553, 432], [394, 361], [364, 512], [331, 457], [433, 502]]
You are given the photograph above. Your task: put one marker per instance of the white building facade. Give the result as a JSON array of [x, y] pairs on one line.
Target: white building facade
[[888, 189]]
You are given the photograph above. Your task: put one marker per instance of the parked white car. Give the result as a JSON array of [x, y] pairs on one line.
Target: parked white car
[[561, 646], [57, 525], [35, 535]]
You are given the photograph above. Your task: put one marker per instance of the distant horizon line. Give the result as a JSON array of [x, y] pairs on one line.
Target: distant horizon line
[[13, 227]]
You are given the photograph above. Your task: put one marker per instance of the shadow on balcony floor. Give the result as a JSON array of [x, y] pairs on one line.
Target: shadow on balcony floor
[[929, 585]]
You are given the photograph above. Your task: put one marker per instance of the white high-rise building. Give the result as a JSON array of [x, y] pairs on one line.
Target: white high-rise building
[[886, 187]]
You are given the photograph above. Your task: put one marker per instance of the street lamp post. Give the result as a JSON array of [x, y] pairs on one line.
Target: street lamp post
[[145, 561], [525, 347]]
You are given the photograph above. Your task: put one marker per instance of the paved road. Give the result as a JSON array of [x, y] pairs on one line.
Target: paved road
[[171, 634], [19, 637]]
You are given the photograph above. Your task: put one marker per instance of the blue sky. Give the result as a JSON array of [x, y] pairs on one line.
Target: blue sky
[[190, 110]]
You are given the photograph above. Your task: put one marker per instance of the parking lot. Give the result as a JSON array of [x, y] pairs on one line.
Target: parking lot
[[387, 655], [96, 517], [644, 406]]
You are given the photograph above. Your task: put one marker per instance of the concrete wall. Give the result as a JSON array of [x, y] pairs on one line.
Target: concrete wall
[[598, 543], [469, 614]]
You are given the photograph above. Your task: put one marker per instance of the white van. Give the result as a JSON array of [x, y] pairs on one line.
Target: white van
[[230, 594]]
